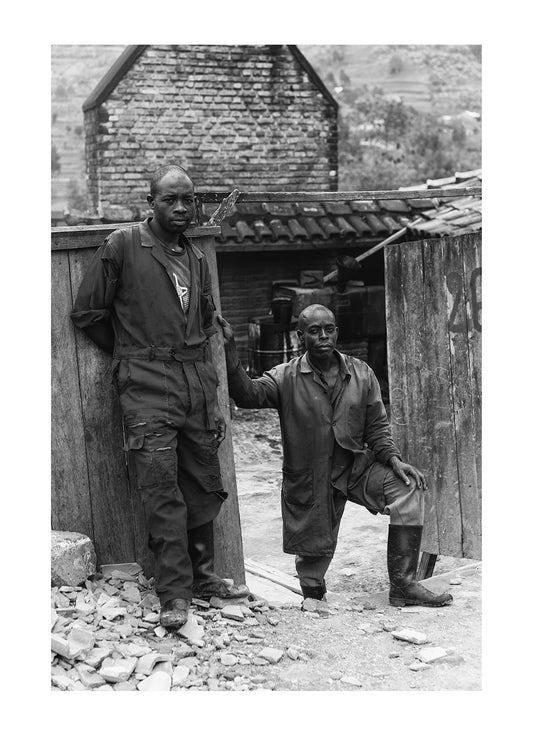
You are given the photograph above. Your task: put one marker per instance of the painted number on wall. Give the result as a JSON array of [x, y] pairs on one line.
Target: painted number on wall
[[454, 281]]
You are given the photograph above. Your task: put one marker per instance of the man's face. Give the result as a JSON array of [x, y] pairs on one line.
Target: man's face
[[173, 204], [320, 334]]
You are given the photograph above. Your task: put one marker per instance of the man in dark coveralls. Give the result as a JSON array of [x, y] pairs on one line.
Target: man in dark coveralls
[[146, 298], [337, 446]]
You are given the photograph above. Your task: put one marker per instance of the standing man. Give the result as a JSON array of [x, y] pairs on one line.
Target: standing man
[[146, 299], [337, 446]]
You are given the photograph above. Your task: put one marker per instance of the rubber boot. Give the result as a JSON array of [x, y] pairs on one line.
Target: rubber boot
[[403, 549], [314, 592], [206, 583], [174, 613]]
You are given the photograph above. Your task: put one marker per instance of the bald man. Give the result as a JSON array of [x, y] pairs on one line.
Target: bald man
[[337, 446], [146, 299]]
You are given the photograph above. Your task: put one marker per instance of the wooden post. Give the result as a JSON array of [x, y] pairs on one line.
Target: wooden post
[[229, 559]]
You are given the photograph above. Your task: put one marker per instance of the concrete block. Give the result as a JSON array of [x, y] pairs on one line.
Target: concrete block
[[410, 635], [73, 558]]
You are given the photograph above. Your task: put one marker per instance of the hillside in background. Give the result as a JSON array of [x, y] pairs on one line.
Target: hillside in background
[[407, 112]]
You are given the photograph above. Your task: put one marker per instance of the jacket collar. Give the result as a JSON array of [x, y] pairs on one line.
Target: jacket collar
[[148, 239], [305, 366]]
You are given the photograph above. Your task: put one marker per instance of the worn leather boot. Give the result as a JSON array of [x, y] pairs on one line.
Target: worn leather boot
[[403, 549], [314, 592], [206, 583], [174, 613]]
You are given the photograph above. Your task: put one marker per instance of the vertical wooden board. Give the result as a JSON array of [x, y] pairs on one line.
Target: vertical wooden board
[[459, 268], [110, 500], [143, 555], [440, 402], [70, 505], [397, 368], [229, 557], [419, 382]]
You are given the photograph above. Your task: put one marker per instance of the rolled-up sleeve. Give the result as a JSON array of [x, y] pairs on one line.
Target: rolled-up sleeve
[[97, 290], [377, 427]]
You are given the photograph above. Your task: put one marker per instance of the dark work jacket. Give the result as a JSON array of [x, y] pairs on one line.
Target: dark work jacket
[[128, 286], [325, 444]]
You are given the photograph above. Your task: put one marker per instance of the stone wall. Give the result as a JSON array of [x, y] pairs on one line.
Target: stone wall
[[246, 116]]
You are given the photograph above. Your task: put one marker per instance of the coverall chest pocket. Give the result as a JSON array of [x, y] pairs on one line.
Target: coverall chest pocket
[[297, 487]]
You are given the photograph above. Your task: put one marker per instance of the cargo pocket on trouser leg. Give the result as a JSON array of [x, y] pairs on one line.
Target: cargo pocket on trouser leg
[[199, 476]]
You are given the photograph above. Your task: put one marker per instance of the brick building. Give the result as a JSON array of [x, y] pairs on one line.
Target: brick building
[[254, 116]]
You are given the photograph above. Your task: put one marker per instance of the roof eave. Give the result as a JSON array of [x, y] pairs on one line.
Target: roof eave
[[119, 68]]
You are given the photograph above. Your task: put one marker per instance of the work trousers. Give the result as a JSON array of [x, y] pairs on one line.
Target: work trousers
[[176, 470], [379, 490]]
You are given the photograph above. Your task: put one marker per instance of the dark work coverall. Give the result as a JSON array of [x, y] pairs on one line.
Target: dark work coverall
[[167, 388]]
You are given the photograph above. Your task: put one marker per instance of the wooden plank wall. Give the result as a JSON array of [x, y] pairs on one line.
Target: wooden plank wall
[[433, 307], [91, 489]]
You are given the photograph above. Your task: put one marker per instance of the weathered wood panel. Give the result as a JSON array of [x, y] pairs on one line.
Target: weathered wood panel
[[433, 326], [71, 503], [110, 497], [229, 558]]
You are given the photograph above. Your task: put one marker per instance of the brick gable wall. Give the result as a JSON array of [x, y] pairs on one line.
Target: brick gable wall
[[246, 116]]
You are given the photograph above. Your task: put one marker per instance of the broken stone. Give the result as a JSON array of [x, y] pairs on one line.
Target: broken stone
[[145, 664], [191, 630], [85, 603], [315, 606], [292, 653], [212, 684], [336, 675], [260, 661], [125, 686], [388, 626], [160, 631], [89, 677], [96, 656], [117, 670], [228, 659], [273, 621], [151, 617], [80, 642], [63, 682], [180, 674], [218, 642], [73, 558], [188, 662], [232, 612], [410, 635], [149, 601], [131, 593], [271, 654], [351, 681], [430, 654], [455, 581], [419, 666], [200, 603], [53, 618], [158, 681], [368, 606], [60, 646]]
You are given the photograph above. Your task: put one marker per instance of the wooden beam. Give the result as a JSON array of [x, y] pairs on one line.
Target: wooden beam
[[272, 574], [343, 196]]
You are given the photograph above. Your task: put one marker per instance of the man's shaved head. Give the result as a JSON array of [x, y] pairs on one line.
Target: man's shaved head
[[307, 313], [161, 172]]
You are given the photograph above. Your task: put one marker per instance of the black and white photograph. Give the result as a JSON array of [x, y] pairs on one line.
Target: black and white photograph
[[266, 367]]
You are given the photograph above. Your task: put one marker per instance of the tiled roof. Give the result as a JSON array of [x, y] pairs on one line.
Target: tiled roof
[[342, 223]]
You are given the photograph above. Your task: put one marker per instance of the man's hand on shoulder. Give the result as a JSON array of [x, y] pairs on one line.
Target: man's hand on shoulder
[[404, 470]]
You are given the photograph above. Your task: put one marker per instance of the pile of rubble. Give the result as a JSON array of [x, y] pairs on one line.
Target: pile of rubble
[[106, 636]]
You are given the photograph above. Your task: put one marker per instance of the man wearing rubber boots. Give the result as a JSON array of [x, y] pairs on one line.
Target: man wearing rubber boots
[[146, 298], [337, 446]]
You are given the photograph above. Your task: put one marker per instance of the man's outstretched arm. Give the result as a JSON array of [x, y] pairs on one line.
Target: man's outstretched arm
[[247, 393]]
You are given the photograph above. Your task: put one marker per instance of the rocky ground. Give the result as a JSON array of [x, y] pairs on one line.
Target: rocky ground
[[106, 634]]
